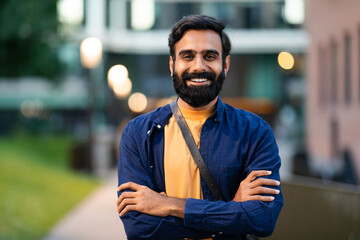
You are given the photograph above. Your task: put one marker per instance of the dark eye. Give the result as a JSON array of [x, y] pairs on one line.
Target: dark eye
[[210, 57], [187, 56]]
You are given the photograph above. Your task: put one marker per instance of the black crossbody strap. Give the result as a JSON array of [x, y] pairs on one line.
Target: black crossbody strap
[[204, 171]]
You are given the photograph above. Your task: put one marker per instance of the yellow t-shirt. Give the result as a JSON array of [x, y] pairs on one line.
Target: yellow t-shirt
[[182, 176]]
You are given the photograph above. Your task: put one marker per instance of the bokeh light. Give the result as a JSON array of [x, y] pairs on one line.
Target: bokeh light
[[90, 52], [137, 102], [31, 109], [123, 88], [117, 74], [294, 11], [286, 60], [142, 14], [70, 11]]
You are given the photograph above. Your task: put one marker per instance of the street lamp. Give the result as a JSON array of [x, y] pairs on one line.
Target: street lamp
[[90, 54]]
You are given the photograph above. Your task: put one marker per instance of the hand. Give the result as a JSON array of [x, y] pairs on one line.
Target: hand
[[251, 187], [145, 200]]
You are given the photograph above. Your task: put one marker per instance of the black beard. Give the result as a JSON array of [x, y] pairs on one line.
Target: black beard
[[198, 96]]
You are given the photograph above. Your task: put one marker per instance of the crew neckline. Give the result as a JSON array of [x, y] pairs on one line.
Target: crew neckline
[[197, 115]]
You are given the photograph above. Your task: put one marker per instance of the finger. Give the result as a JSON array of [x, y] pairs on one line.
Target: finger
[[129, 185], [257, 173], [125, 195], [264, 182], [125, 203], [262, 198], [128, 208], [264, 190], [163, 193]]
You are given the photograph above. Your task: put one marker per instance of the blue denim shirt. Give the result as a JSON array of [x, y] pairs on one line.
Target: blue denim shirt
[[233, 143]]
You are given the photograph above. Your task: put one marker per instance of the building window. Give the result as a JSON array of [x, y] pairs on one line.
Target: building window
[[347, 69], [334, 72]]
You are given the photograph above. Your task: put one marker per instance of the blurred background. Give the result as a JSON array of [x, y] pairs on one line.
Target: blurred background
[[74, 72]]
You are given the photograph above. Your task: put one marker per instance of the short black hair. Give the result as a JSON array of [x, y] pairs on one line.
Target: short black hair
[[199, 22]]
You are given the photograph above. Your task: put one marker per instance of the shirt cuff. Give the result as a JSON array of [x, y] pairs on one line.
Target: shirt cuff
[[193, 213]]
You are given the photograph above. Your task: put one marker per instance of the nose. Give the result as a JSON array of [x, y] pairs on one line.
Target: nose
[[199, 65]]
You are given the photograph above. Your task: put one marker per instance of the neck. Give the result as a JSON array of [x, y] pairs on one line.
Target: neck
[[185, 105]]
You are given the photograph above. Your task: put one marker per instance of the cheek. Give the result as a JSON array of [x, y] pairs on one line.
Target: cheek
[[180, 65], [217, 69], [180, 68]]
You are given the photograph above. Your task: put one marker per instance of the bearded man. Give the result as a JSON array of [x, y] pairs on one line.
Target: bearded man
[[162, 194]]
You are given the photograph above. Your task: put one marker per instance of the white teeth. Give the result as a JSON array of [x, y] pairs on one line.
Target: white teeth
[[199, 80]]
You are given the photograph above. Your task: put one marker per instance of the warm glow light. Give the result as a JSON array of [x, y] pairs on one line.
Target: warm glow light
[[71, 11], [117, 74], [286, 60], [137, 102], [142, 14], [90, 52], [294, 12], [123, 88]]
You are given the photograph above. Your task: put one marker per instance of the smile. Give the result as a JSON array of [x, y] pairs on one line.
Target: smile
[[198, 80]]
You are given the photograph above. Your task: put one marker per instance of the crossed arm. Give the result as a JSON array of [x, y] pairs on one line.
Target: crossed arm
[[145, 200], [147, 214]]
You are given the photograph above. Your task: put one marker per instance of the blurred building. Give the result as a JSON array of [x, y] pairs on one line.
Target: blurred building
[[134, 33], [333, 106]]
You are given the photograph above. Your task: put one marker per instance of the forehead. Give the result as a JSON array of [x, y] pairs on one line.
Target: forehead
[[199, 40]]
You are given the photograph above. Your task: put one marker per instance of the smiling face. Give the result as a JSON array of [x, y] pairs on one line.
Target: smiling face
[[198, 70]]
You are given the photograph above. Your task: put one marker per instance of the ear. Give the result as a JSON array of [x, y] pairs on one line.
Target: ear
[[171, 65], [227, 64]]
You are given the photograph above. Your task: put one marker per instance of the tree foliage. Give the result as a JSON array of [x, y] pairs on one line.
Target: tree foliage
[[28, 38]]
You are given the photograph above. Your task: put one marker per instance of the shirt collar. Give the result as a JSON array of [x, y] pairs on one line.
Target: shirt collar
[[219, 112], [162, 115]]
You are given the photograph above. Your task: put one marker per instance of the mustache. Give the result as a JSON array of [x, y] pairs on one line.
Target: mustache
[[207, 75]]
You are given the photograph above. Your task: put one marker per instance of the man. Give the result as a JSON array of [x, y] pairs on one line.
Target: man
[[161, 192]]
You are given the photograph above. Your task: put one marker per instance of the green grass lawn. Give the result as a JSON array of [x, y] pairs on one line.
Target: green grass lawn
[[37, 187]]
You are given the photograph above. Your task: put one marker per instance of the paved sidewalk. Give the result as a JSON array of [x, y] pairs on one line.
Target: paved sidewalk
[[93, 219]]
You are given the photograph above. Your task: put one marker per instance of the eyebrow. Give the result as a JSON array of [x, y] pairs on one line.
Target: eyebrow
[[187, 51], [211, 51]]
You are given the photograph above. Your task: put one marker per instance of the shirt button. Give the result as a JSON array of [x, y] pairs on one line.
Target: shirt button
[[148, 132], [213, 235], [221, 233], [158, 126]]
